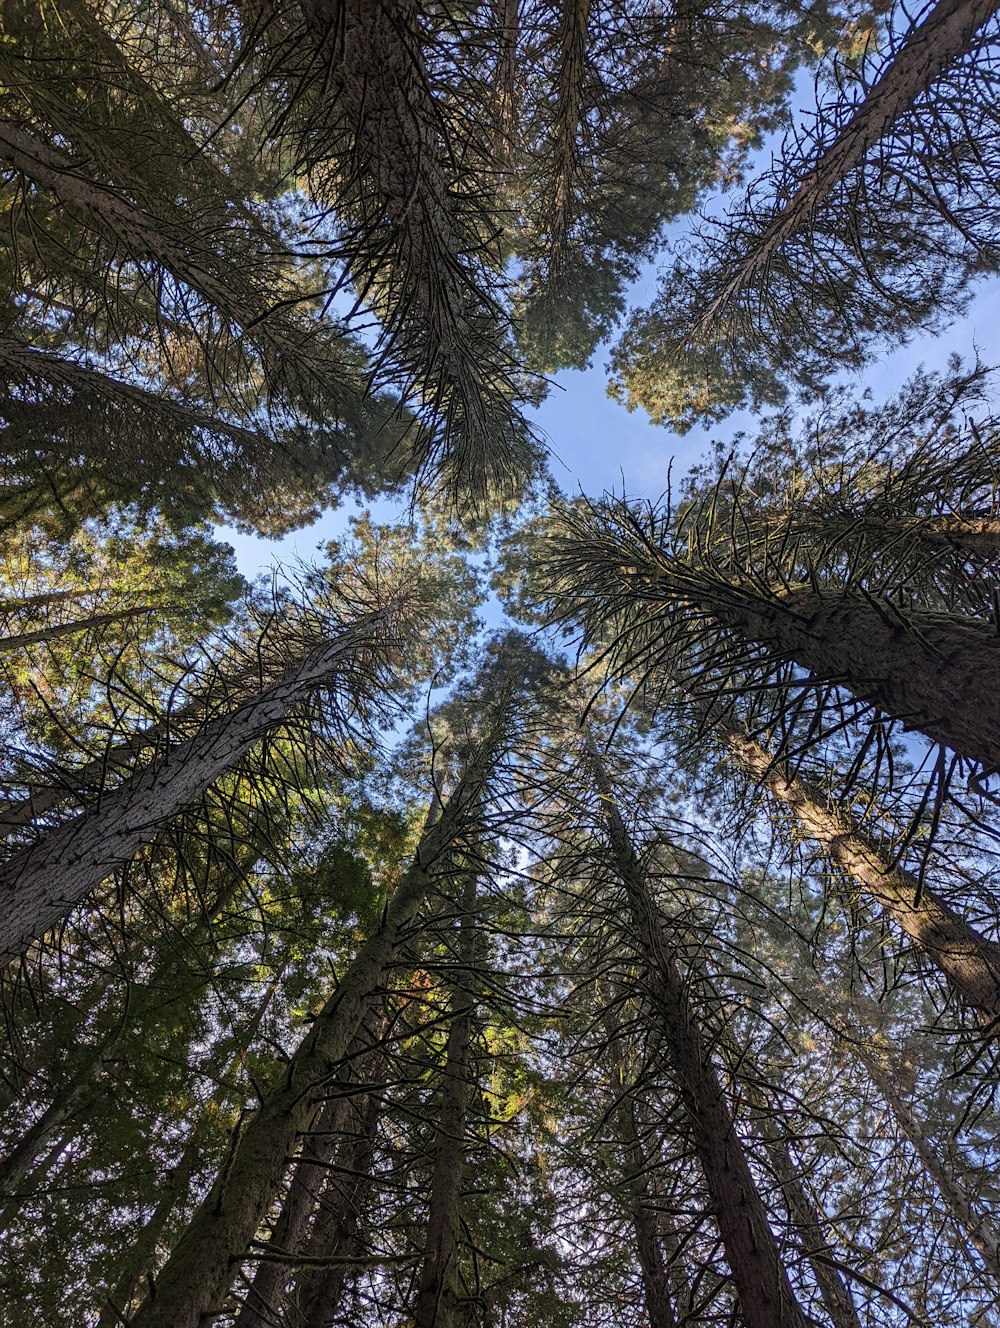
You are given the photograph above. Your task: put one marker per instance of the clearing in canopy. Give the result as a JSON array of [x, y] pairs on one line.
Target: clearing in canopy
[[439, 890]]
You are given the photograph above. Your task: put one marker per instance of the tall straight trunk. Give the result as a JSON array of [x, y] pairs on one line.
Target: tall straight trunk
[[142, 233], [937, 675], [336, 1234], [760, 1281], [263, 1303], [437, 1288], [506, 22], [648, 1247], [969, 962], [195, 1281], [142, 1256], [167, 964], [978, 1229], [41, 883], [926, 53], [57, 630], [811, 1226], [265, 1297], [573, 31]]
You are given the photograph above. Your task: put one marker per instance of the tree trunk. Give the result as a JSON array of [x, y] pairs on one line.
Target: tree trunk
[[924, 55], [933, 673], [337, 1230], [437, 1288], [968, 961], [140, 233], [195, 1281], [573, 21], [649, 1250], [24, 363], [263, 1304], [761, 1283], [42, 883], [142, 1256], [56, 630], [978, 1228], [810, 1226]]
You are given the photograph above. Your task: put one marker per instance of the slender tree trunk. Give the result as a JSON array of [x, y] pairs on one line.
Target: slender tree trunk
[[811, 1226], [437, 1288], [56, 630], [968, 961], [337, 1231], [140, 232], [506, 21], [195, 1281], [761, 1283], [42, 883], [48, 598], [573, 21], [263, 1304], [142, 1256], [649, 1250], [265, 1299], [978, 1229], [86, 1085], [926, 53]]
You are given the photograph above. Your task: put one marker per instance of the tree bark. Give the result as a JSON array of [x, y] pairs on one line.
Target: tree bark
[[978, 1228], [437, 1288], [924, 55], [41, 883], [56, 630], [761, 1283], [144, 234], [934, 673], [337, 1231], [27, 363], [195, 1281], [968, 961], [810, 1225], [649, 1250], [263, 1303]]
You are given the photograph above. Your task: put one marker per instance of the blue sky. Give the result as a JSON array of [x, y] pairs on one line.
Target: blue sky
[[596, 444]]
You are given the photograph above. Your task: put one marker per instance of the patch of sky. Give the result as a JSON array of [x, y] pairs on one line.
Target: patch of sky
[[595, 445]]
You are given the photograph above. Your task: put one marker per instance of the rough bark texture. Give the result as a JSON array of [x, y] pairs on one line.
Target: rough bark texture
[[940, 676], [925, 54], [573, 22], [969, 962], [336, 1233], [41, 883], [70, 628], [264, 1299], [761, 1283], [27, 363], [138, 231], [194, 1283], [437, 1287], [649, 1249]]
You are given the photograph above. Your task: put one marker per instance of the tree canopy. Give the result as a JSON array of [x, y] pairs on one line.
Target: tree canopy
[[535, 909]]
